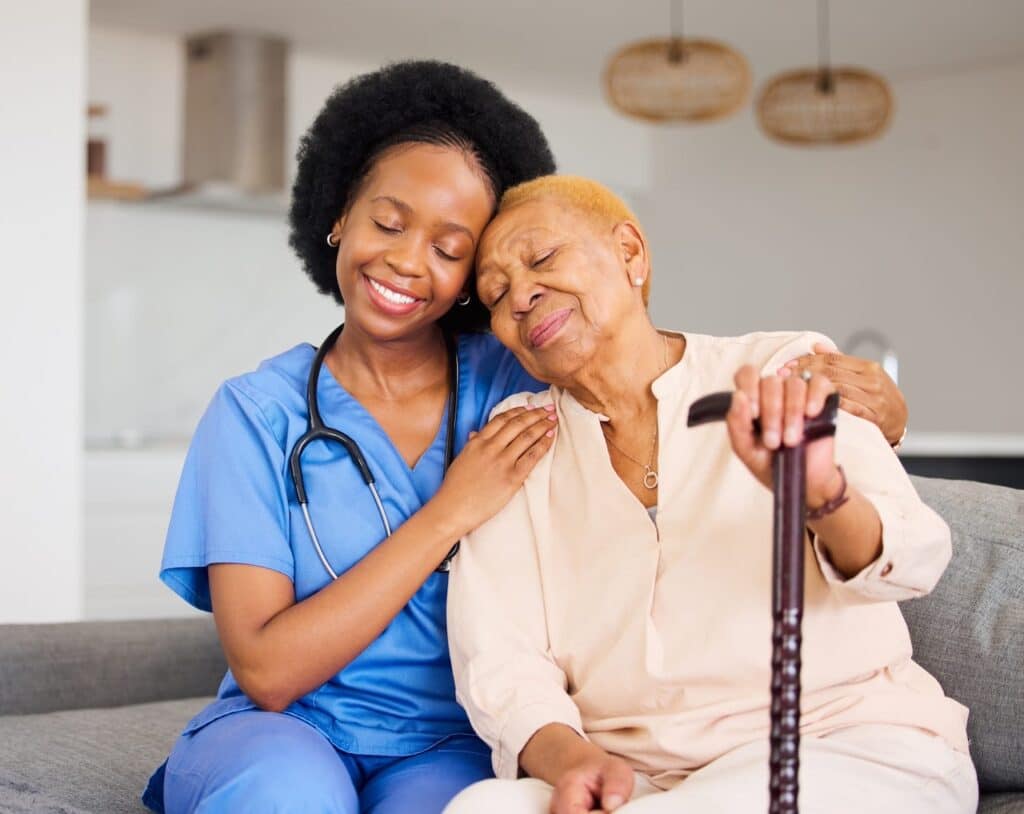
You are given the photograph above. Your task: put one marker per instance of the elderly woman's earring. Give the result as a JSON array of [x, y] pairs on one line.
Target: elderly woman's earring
[[638, 281], [332, 244], [463, 299]]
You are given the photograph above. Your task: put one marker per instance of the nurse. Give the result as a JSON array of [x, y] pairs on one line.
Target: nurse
[[339, 695]]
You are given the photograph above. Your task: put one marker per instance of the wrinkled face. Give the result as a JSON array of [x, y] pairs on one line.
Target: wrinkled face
[[407, 241], [556, 284]]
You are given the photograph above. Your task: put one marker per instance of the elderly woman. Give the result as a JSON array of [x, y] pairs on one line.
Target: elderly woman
[[610, 628]]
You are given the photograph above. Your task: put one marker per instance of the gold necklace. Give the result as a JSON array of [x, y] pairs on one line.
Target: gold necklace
[[650, 473]]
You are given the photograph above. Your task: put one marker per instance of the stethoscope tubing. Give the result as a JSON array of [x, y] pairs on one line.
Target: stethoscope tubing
[[316, 540], [317, 430]]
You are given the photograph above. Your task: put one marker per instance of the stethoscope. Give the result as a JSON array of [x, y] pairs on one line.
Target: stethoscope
[[317, 430]]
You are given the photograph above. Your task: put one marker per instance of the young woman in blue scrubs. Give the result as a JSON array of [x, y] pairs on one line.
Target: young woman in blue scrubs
[[340, 696]]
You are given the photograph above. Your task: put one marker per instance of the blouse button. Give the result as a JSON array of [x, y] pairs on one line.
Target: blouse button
[[887, 570]]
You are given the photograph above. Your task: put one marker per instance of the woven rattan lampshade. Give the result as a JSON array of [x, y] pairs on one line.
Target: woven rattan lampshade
[[677, 79], [830, 106]]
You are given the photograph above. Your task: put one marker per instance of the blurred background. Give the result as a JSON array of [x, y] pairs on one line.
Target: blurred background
[[136, 273]]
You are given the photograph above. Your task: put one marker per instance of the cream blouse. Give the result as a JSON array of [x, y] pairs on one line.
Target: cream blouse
[[653, 638]]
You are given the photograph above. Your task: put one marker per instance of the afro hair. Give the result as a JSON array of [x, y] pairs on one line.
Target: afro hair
[[405, 102]]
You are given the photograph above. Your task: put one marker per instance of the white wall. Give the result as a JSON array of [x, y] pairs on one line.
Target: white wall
[[918, 234], [42, 147]]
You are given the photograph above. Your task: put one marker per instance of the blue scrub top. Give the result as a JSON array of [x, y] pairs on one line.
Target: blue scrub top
[[236, 503]]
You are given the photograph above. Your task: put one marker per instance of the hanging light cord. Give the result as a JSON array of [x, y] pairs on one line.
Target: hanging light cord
[[676, 53], [826, 83]]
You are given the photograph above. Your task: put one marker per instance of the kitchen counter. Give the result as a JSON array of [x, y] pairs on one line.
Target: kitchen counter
[[969, 444]]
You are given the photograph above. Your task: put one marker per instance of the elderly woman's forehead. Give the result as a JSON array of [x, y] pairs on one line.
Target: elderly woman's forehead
[[508, 227], [535, 219]]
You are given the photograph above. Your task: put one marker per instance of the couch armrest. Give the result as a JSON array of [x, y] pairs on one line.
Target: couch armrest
[[78, 665]]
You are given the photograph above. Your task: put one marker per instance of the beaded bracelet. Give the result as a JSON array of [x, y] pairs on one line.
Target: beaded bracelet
[[830, 506]]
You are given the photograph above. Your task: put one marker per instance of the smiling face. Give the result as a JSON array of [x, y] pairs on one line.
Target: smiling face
[[558, 283], [406, 243]]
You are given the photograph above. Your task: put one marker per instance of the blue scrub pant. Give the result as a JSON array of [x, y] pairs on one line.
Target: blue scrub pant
[[256, 762]]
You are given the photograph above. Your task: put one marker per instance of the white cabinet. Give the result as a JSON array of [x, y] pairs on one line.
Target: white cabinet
[[128, 498]]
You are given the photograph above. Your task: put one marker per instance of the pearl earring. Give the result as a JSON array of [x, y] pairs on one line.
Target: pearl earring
[[638, 281]]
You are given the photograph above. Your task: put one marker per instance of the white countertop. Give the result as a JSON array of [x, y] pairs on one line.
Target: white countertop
[[963, 444]]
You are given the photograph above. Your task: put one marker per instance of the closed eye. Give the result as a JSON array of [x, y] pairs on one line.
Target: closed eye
[[494, 299], [389, 229], [445, 254], [542, 258]]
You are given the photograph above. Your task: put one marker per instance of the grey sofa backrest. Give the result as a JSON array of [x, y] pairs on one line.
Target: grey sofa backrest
[[104, 664], [969, 631]]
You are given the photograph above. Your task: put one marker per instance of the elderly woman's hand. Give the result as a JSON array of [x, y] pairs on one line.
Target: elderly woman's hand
[[865, 389], [782, 404], [603, 783]]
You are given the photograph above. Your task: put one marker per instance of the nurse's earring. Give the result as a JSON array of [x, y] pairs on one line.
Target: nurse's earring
[[463, 299], [332, 243]]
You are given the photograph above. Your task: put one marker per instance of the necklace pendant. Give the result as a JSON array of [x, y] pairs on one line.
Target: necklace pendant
[[650, 478]]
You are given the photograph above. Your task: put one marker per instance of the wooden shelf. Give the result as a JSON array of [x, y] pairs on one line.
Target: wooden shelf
[[102, 189]]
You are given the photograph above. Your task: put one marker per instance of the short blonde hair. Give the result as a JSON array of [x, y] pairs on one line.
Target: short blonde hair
[[588, 197]]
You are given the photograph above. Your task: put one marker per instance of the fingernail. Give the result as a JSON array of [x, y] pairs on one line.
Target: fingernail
[[549, 407], [613, 801], [785, 372], [792, 437], [771, 439], [549, 433], [552, 417], [792, 363], [755, 408]]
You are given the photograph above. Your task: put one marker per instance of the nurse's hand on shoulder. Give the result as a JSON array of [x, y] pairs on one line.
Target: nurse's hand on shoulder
[[865, 389], [494, 463]]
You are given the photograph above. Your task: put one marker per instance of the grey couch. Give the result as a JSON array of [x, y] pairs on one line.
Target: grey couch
[[88, 710]]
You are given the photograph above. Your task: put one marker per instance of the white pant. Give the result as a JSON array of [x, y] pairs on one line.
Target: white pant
[[876, 769]]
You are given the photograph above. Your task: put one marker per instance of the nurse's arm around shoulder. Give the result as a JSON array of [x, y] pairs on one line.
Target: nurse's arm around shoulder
[[279, 650], [872, 534]]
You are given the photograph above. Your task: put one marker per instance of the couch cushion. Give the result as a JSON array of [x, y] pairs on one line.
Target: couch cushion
[[44, 668], [1012, 803], [88, 761], [969, 632]]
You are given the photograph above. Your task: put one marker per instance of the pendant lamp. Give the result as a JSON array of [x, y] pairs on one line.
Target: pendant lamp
[[824, 105], [675, 78]]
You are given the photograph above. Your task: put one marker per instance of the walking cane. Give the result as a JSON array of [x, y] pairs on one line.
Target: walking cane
[[788, 487]]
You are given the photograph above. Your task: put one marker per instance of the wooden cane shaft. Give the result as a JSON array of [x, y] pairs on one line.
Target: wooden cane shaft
[[788, 475]]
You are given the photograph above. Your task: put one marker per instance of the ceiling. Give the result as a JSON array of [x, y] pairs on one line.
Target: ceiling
[[566, 42]]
